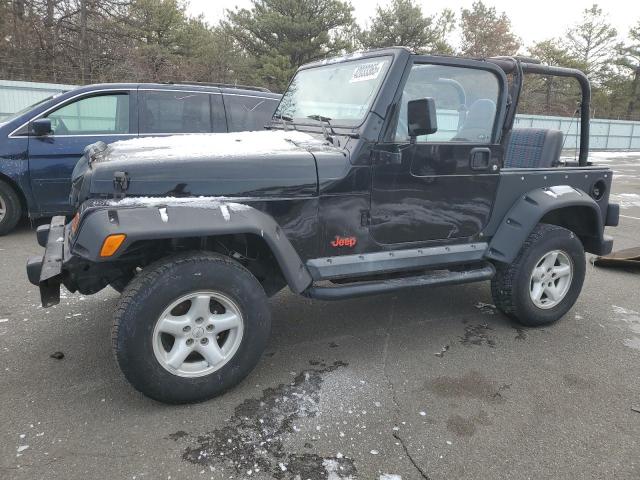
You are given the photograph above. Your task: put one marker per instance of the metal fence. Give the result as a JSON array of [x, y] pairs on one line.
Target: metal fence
[[14, 96], [605, 134]]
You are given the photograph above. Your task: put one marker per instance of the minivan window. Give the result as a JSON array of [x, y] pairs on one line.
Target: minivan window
[[174, 112], [246, 113], [95, 115]]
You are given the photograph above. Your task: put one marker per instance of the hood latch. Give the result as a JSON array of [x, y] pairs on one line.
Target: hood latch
[[121, 181]]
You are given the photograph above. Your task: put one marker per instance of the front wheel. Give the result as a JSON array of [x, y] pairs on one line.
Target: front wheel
[[10, 208], [545, 279], [190, 327]]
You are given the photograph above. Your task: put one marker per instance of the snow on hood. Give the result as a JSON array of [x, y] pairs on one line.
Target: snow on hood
[[197, 202], [259, 143]]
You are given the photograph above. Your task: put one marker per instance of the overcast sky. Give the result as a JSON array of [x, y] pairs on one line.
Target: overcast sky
[[532, 20]]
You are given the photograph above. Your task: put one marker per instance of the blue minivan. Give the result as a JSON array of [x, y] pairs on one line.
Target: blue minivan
[[40, 145]]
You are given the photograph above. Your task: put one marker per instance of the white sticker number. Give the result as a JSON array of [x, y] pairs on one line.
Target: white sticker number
[[366, 71]]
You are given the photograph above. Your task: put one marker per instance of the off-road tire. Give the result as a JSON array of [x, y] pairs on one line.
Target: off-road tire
[[511, 285], [153, 290], [121, 283], [13, 209]]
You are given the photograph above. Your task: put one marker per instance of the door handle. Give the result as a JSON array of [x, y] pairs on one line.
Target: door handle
[[480, 158]]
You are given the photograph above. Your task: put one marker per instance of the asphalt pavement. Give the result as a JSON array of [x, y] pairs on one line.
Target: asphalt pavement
[[424, 384]]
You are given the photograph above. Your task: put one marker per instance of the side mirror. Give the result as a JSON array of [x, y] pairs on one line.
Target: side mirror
[[41, 127], [421, 117]]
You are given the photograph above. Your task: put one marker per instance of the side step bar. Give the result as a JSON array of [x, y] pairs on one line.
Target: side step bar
[[437, 278]]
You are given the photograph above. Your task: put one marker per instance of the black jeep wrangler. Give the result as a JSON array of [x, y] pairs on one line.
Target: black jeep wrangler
[[379, 171]]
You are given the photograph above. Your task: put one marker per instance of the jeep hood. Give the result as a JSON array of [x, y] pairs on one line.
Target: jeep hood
[[263, 164]]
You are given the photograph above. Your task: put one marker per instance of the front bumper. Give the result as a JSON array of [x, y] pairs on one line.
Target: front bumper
[[46, 271]]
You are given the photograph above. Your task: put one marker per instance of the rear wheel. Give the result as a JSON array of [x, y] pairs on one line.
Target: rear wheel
[[10, 208], [190, 327], [545, 279]]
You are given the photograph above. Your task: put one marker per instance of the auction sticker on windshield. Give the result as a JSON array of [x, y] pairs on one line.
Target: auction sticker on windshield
[[366, 71]]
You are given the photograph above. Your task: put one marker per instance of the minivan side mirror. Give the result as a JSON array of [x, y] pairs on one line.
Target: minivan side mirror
[[421, 117], [41, 127]]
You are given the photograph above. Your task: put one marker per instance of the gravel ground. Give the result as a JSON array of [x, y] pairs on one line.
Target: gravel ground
[[427, 384]]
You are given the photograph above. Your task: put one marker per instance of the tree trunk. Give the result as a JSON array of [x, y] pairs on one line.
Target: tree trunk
[[547, 100], [50, 40], [632, 108], [83, 41]]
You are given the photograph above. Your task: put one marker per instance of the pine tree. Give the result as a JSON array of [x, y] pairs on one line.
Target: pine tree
[[593, 41], [485, 33], [284, 34], [630, 59], [403, 23]]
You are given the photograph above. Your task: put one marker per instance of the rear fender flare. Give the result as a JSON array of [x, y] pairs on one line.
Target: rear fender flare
[[531, 208], [182, 220]]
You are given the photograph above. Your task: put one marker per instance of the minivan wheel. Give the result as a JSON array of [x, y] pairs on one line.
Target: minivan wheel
[[545, 279], [190, 327], [10, 209]]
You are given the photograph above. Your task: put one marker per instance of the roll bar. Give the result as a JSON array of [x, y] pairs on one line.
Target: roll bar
[[518, 67]]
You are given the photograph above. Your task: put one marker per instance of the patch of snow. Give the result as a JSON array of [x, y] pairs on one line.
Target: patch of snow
[[390, 476], [632, 319], [608, 156], [626, 200], [22, 448], [225, 212], [332, 468], [208, 145], [163, 214], [3, 320], [422, 414], [374, 452], [229, 203]]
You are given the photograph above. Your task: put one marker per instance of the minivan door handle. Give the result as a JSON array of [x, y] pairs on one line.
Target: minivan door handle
[[480, 158]]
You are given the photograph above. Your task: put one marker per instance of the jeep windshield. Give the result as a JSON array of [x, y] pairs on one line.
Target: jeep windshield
[[340, 92]]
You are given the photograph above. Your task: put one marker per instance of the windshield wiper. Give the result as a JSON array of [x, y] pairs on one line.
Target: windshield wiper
[[326, 120], [320, 118], [283, 119]]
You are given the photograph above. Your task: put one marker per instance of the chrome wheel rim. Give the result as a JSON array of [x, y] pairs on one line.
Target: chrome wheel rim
[[198, 334], [3, 208], [551, 279]]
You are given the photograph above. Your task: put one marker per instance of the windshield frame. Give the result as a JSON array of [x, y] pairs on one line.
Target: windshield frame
[[355, 125]]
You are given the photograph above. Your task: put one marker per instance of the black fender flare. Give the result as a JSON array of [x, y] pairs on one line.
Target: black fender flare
[[199, 218], [527, 212]]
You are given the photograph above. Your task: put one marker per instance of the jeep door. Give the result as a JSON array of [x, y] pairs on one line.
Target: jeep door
[[440, 187], [95, 116]]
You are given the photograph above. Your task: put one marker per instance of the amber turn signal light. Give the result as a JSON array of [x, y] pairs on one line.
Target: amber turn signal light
[[111, 244]]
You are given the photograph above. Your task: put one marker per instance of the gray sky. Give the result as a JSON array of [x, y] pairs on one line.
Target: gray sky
[[532, 20]]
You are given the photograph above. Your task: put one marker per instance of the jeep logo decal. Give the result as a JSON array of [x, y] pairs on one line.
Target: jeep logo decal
[[344, 242]]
